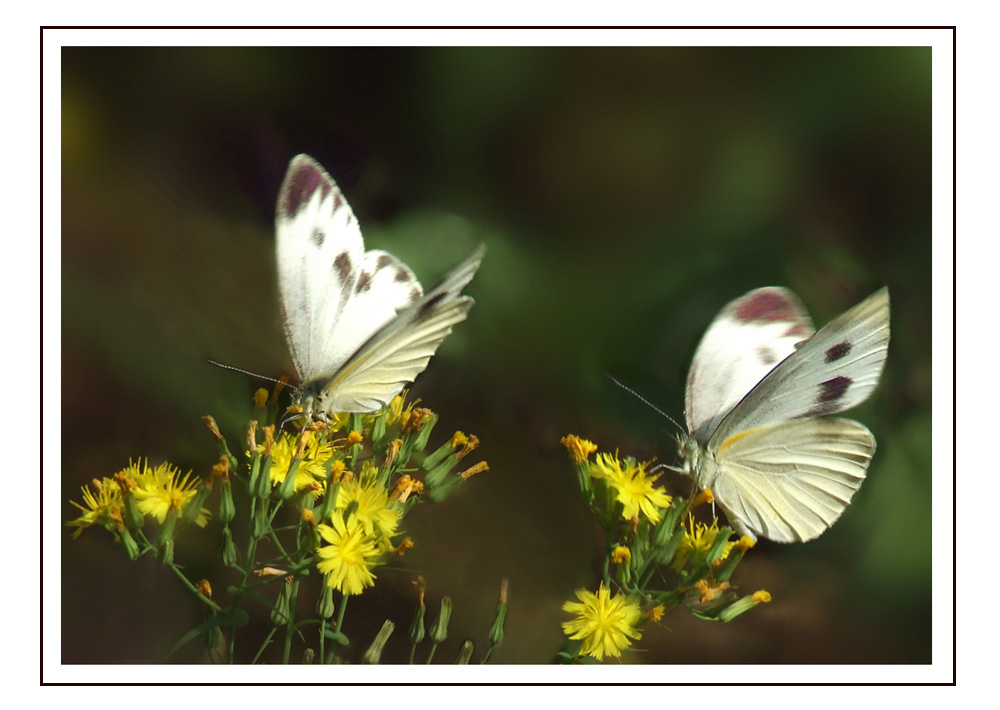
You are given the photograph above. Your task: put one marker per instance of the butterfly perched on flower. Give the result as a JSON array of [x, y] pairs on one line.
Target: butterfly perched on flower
[[359, 325], [759, 390]]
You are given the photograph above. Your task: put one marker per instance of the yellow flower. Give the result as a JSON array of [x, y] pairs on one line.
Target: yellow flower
[[604, 624], [621, 554], [579, 449], [160, 490], [348, 559], [311, 472], [374, 511], [698, 540], [104, 508], [634, 490]]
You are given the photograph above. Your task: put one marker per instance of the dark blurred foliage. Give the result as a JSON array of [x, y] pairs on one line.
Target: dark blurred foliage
[[624, 194]]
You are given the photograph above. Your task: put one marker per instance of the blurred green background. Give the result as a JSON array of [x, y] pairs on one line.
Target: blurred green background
[[624, 194]]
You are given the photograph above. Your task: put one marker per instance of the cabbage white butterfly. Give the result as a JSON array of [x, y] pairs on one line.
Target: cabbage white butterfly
[[759, 386], [358, 324]]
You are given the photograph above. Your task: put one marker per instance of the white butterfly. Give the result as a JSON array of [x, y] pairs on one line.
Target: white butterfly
[[358, 324], [758, 388]]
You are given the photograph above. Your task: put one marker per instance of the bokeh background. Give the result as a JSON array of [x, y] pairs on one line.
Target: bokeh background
[[624, 195]]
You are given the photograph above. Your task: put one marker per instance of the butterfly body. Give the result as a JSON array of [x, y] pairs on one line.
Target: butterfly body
[[358, 323], [774, 462]]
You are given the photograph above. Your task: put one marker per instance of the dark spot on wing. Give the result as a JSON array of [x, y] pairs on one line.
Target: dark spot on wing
[[301, 184], [769, 306], [834, 389], [364, 282], [414, 294], [343, 266], [433, 301], [766, 355], [402, 275], [318, 237], [383, 261], [830, 393], [838, 351], [338, 200]]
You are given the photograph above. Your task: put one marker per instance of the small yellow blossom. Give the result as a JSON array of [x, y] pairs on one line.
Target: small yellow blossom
[[348, 559], [375, 513], [635, 491], [579, 449], [100, 509], [697, 541], [703, 498], [162, 489], [603, 623], [311, 474], [354, 437], [761, 596], [621, 554], [260, 397], [654, 614]]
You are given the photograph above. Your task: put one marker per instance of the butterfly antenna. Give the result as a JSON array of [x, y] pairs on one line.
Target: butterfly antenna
[[646, 402], [246, 372]]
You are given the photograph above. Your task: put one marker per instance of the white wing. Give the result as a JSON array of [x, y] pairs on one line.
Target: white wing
[[790, 481], [399, 352], [746, 340], [834, 370], [334, 295]]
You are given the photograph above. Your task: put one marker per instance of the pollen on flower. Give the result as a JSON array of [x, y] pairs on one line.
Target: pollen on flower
[[579, 449], [458, 439], [354, 437], [744, 543], [654, 614]]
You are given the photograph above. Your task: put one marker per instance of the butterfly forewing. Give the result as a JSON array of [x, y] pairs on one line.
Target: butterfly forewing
[[790, 481], [834, 370], [334, 295], [746, 340], [399, 352]]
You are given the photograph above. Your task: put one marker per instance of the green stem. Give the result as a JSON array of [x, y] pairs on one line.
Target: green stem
[[265, 644], [193, 589], [289, 628], [431, 654]]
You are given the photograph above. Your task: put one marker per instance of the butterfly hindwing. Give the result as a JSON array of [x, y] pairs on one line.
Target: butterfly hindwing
[[790, 481], [746, 340]]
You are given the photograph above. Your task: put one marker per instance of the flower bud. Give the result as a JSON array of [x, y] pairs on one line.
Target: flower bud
[[439, 627], [374, 652]]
